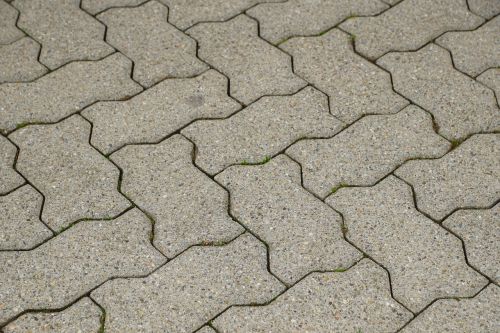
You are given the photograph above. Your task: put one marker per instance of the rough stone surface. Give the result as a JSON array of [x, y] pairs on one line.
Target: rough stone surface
[[8, 30], [83, 316], [65, 91], [254, 67], [158, 49], [469, 176], [424, 260], [76, 180], [460, 105], [190, 290], [188, 207], [206, 329], [491, 78], [357, 300], [19, 221], [485, 8], [355, 86], [261, 130], [89, 253], [18, 61], [479, 314], [474, 51], [279, 21], [409, 25], [368, 150], [480, 231], [303, 234], [9, 178], [159, 111], [96, 6]]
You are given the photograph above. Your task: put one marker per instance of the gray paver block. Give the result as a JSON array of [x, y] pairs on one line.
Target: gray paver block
[[159, 111], [76, 261], [8, 30], [187, 206], [480, 231], [485, 8], [261, 130], [409, 25], [158, 49], [9, 178], [96, 6], [491, 78], [302, 233], [65, 91], [357, 300], [18, 61], [355, 86], [254, 67], [460, 105], [76, 180], [479, 314], [468, 176], [368, 150], [424, 260], [279, 21], [474, 51], [81, 317], [206, 329], [19, 221], [65, 31], [189, 290]]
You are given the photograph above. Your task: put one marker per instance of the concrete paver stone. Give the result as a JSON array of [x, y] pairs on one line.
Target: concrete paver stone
[[491, 78], [96, 6], [485, 8], [18, 61], [9, 178], [8, 31]]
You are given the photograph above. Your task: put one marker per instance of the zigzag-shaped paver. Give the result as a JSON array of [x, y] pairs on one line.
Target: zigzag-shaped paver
[[9, 178], [96, 6], [8, 31], [485, 8], [491, 78], [18, 61]]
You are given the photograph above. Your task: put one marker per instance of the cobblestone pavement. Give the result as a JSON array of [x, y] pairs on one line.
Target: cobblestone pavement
[[279, 166]]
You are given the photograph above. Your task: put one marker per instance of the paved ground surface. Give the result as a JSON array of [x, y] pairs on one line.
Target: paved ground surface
[[249, 166]]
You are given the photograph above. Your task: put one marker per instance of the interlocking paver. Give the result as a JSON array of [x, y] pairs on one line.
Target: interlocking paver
[[206, 329], [279, 21], [8, 30], [485, 8], [424, 260], [65, 91], [9, 178], [254, 67], [76, 180], [76, 261], [190, 290], [474, 51], [19, 221], [357, 300], [65, 31], [83, 316], [158, 49], [491, 78], [96, 6], [261, 130], [187, 206], [480, 231], [479, 314], [368, 150], [460, 105], [18, 61], [409, 25], [159, 111], [303, 234], [355, 86], [468, 176]]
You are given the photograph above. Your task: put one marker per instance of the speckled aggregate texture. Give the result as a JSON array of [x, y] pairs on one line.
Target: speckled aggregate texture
[[249, 166]]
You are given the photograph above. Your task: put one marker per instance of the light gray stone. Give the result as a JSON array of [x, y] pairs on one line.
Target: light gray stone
[[9, 178], [206, 329], [254, 67], [18, 61], [158, 49], [96, 6], [76, 261], [480, 231], [159, 111], [491, 78], [76, 180], [367, 151], [190, 290], [355, 86], [261, 130], [409, 25], [188, 207], [302, 233], [19, 221], [82, 317], [468, 176], [474, 51], [65, 91], [485, 8], [8, 30], [424, 260], [478, 314], [357, 300], [460, 105]]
